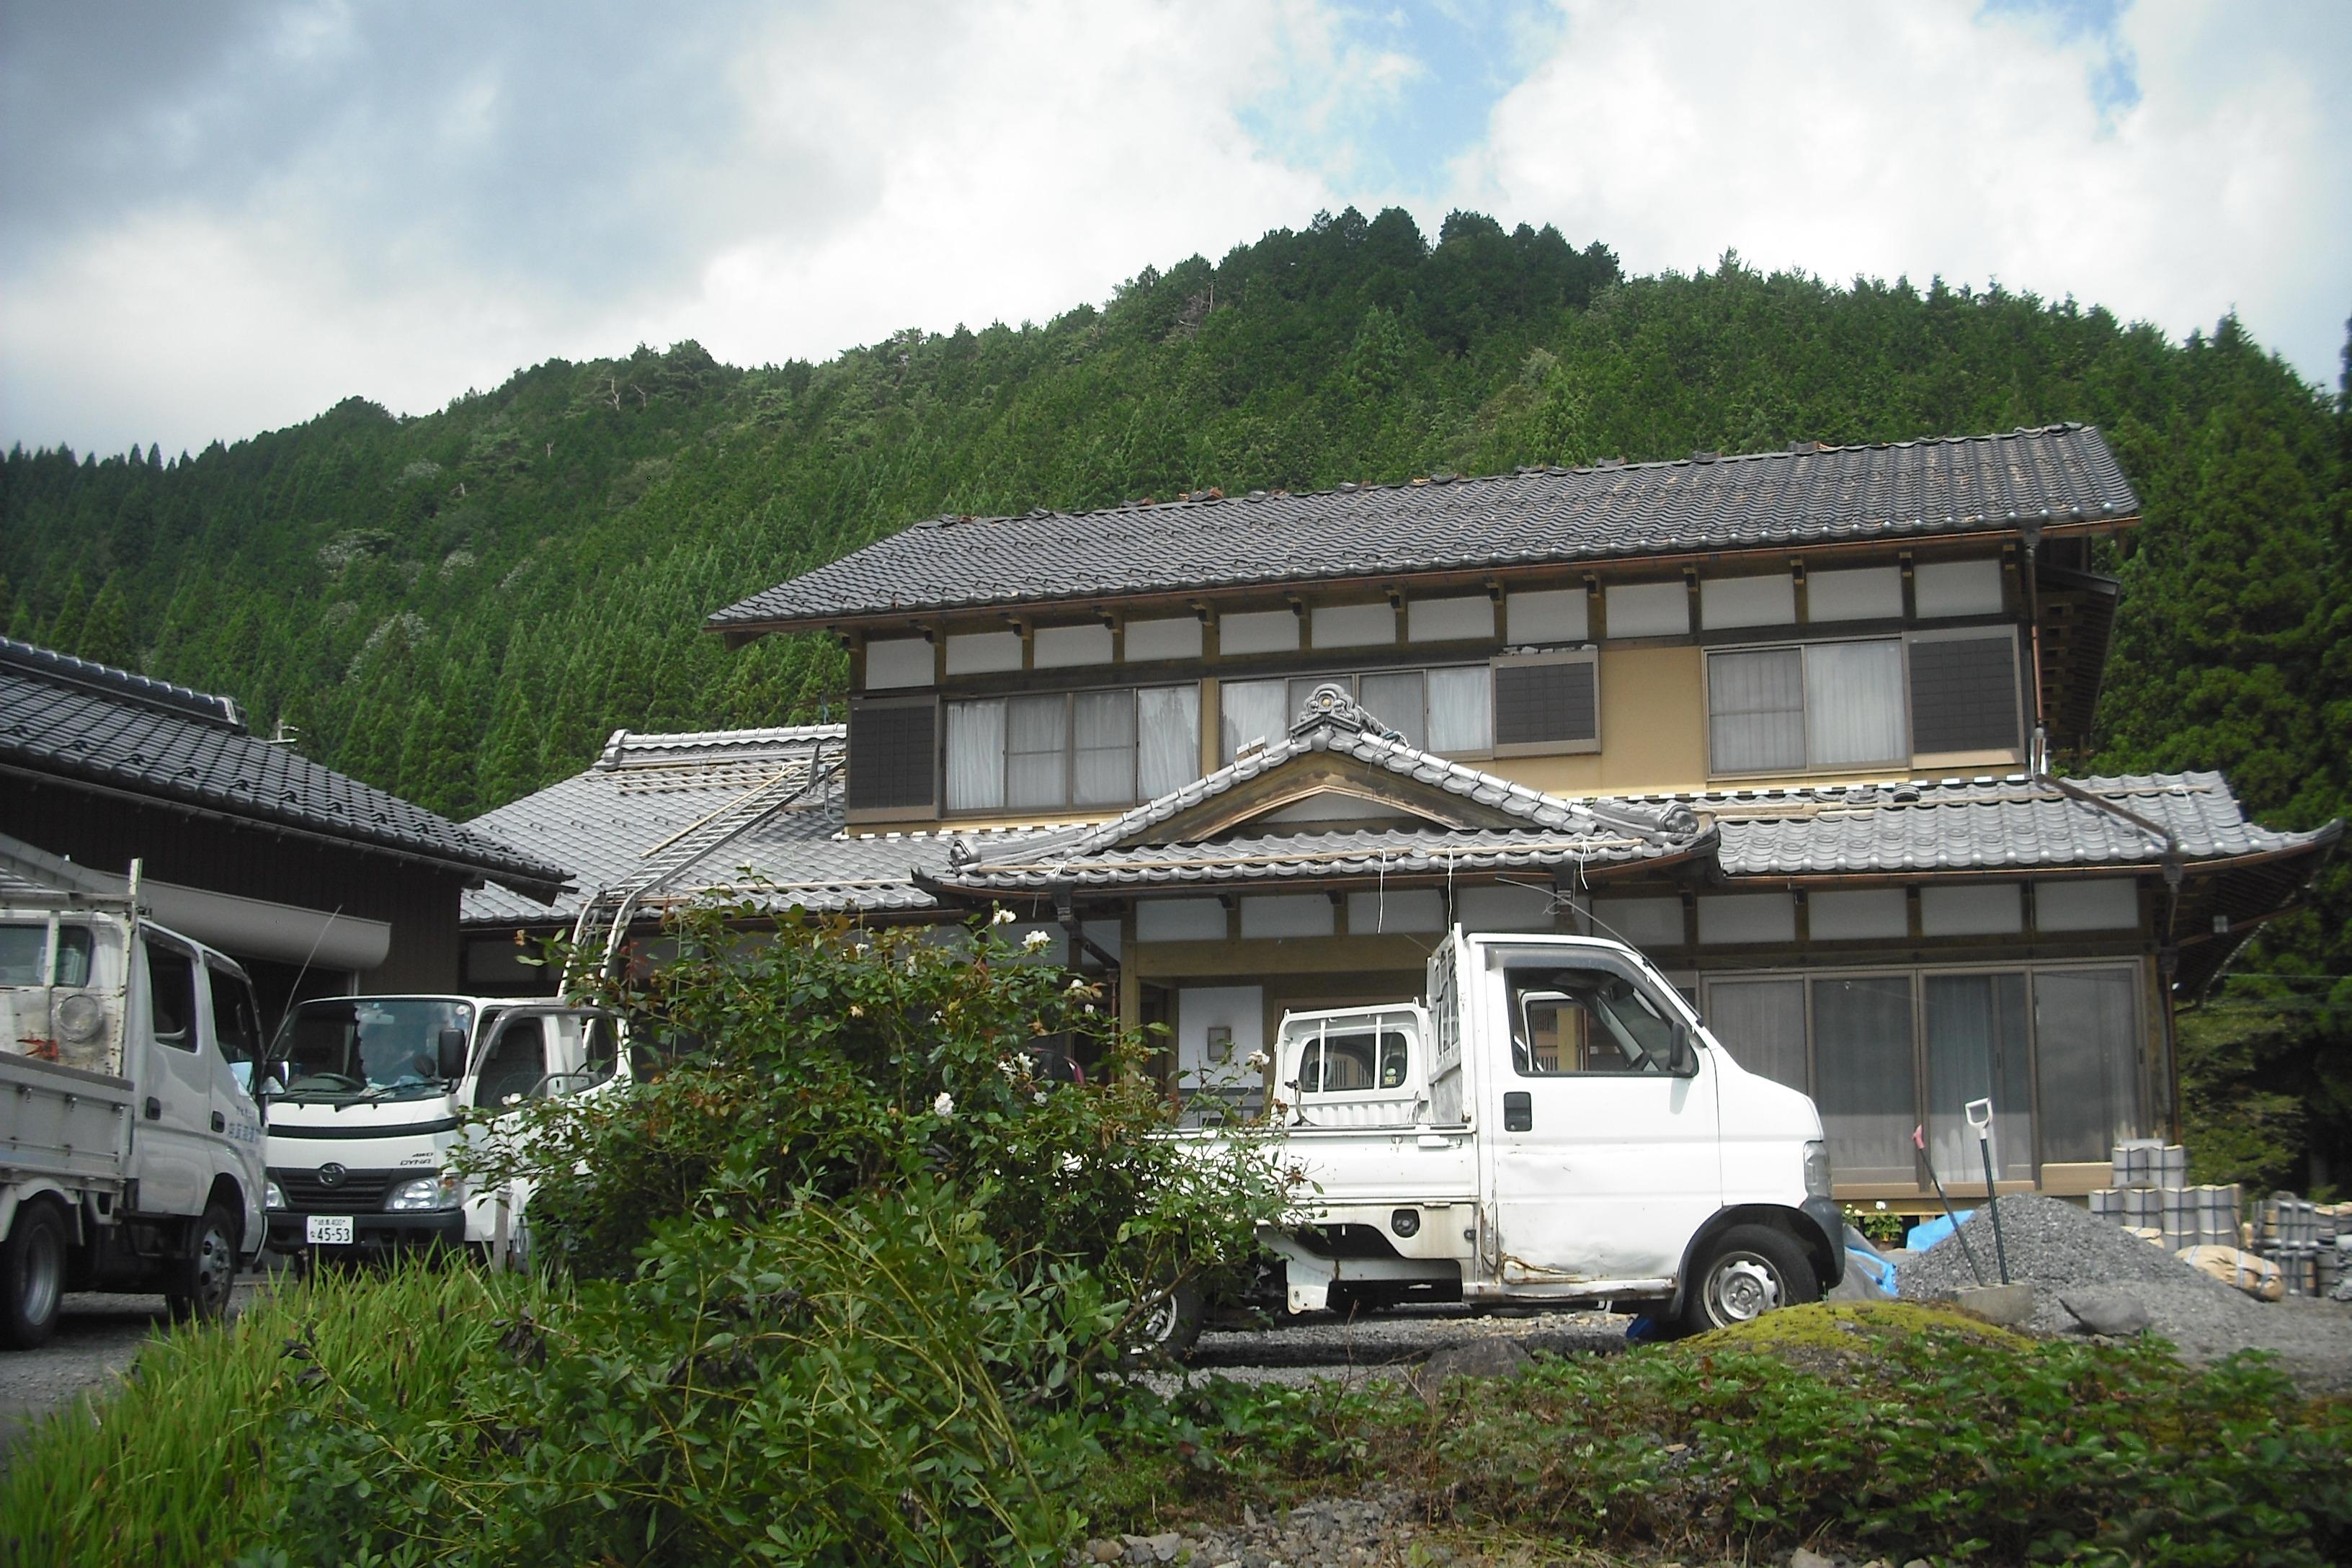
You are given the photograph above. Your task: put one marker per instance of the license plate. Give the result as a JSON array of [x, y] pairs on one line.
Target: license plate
[[327, 1230]]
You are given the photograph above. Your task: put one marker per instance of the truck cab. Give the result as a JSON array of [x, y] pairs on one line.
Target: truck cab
[[369, 1098]]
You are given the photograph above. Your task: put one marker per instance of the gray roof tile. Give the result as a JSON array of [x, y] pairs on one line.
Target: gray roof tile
[[1906, 490], [91, 723]]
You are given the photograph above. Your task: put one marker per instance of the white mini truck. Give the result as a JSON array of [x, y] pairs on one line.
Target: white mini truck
[[129, 1150], [368, 1098], [1552, 1125]]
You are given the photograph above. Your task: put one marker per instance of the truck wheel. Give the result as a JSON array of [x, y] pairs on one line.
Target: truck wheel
[[1169, 1328], [32, 1277], [201, 1281], [1751, 1269]]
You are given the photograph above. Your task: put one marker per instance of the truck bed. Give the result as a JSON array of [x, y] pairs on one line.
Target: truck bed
[[62, 1122]]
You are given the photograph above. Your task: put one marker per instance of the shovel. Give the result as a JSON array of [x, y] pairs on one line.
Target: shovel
[[1980, 1114], [1919, 1142]]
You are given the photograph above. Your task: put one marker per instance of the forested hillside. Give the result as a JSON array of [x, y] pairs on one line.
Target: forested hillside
[[460, 606]]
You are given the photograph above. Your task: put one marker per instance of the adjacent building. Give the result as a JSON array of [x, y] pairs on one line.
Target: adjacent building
[[1784, 720], [317, 882]]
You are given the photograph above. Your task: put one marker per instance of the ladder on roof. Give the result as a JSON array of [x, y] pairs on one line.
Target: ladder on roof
[[610, 909]]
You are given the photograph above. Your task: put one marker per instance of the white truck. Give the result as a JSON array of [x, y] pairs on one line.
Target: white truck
[[367, 1096], [129, 1150], [1553, 1125]]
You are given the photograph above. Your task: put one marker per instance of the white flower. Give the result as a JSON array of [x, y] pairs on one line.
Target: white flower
[[1090, 1007], [943, 1106], [1037, 940], [1003, 917], [511, 1099], [1255, 1061], [856, 1011], [1038, 1098], [1008, 1067], [1077, 984]]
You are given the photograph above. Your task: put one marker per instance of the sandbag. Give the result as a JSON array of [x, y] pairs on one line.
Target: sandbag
[[2257, 1277]]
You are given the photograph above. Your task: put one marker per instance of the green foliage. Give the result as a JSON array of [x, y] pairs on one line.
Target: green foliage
[[1882, 1431], [187, 1463], [831, 1062]]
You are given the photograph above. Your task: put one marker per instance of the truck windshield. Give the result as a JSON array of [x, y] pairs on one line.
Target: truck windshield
[[385, 1049]]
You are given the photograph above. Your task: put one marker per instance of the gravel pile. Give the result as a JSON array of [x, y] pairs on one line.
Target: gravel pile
[[2057, 1247]]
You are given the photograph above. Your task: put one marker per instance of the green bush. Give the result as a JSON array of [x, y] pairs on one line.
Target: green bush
[[828, 1060], [833, 1386]]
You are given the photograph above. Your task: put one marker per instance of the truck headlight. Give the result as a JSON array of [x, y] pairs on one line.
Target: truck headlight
[[273, 1195], [1817, 1169], [79, 1017], [426, 1192]]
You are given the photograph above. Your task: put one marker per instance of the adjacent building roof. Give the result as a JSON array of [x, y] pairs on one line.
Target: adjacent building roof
[[69, 720], [677, 814], [2057, 474]]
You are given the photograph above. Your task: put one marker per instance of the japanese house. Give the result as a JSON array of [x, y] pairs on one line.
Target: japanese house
[[1785, 720]]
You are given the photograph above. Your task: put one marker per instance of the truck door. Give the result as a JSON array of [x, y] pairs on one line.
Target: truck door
[[172, 1155], [1600, 1120]]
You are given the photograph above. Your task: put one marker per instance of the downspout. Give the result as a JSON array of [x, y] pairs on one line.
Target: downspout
[[2168, 954]]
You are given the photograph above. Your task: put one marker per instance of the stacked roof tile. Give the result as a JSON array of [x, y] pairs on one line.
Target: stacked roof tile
[[2057, 474], [70, 721]]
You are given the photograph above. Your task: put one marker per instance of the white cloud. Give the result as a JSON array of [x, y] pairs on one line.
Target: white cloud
[[1849, 137]]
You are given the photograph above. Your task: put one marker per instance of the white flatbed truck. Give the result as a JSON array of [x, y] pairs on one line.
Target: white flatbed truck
[[1551, 1124], [130, 1149]]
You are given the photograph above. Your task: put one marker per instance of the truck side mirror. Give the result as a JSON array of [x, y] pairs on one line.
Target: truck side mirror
[[1685, 1056], [453, 1053]]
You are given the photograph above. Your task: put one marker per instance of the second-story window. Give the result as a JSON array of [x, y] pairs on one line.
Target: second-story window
[[1446, 710], [1084, 748], [1870, 701]]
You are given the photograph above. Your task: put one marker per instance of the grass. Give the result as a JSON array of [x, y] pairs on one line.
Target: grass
[[179, 1466]]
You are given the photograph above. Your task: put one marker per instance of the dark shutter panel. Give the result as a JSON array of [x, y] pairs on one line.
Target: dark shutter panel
[[1964, 694], [1537, 704], [894, 755]]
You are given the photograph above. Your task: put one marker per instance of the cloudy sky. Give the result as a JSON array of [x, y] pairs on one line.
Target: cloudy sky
[[218, 218]]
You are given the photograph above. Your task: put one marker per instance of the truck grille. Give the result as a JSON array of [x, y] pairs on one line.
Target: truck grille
[[360, 1192]]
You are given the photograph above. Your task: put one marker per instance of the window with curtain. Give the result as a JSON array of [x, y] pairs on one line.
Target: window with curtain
[[2089, 1025], [1250, 710], [1036, 751], [1461, 709], [1824, 705], [1853, 703], [1756, 711], [976, 756], [1168, 739], [1394, 698], [1763, 1024], [1978, 1049], [1085, 748], [1864, 1081], [1102, 730]]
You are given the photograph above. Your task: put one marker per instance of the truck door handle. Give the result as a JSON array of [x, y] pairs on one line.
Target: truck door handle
[[154, 1109], [1518, 1112], [220, 1123]]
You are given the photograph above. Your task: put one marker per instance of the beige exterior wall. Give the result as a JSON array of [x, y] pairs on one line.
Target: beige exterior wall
[[1653, 730]]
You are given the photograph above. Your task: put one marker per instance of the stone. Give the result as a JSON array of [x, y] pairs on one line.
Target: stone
[[1497, 1357], [1164, 1546], [1803, 1557], [2107, 1311], [2004, 1305], [1104, 1550]]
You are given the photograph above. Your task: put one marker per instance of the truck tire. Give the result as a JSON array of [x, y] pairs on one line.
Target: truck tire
[[32, 1277], [1169, 1327], [1749, 1270], [201, 1281]]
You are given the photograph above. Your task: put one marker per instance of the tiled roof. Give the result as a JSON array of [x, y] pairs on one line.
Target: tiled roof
[[69, 720], [2060, 473], [615, 822], [1986, 823]]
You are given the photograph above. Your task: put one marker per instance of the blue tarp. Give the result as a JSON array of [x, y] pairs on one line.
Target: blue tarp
[[1928, 1232]]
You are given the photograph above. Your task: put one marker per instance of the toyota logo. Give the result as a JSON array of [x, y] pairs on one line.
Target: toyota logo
[[332, 1174]]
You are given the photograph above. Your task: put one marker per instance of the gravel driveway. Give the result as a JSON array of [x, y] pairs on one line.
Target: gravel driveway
[[99, 1336]]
